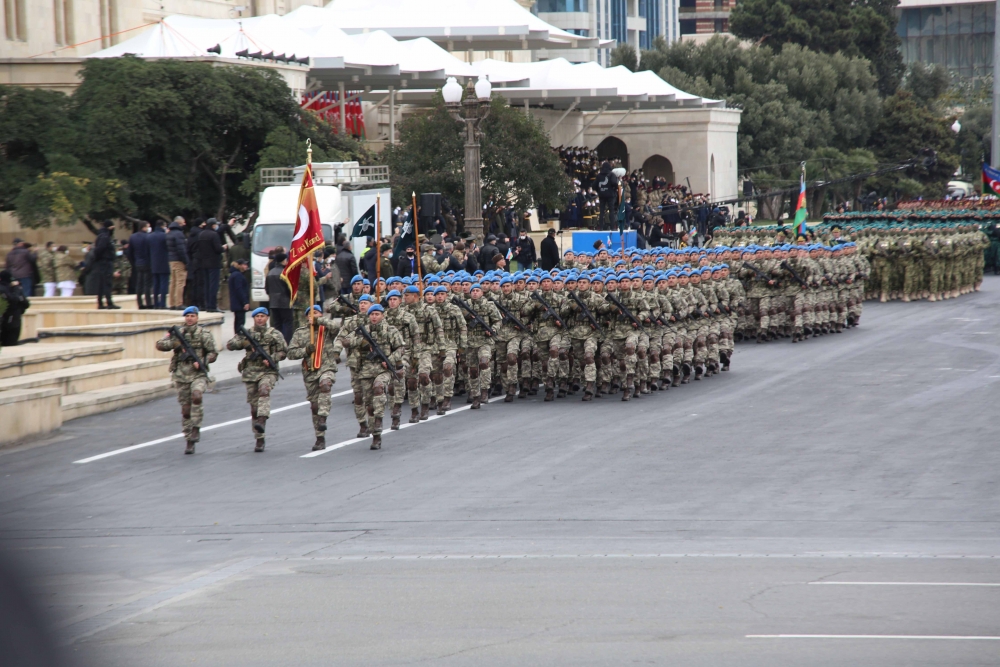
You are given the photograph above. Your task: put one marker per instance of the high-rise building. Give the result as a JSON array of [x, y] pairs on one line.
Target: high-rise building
[[704, 17], [635, 22], [954, 33]]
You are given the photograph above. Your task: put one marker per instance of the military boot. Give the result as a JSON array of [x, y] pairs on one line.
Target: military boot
[[320, 443], [550, 390], [644, 387], [725, 357], [654, 384], [424, 410], [440, 407], [377, 433], [445, 405], [760, 336], [320, 423], [363, 430], [675, 376], [533, 387], [193, 438], [589, 390], [699, 372], [397, 410], [524, 390], [476, 400], [562, 390], [484, 398], [511, 389], [190, 446], [627, 387], [258, 424], [686, 372], [414, 415]]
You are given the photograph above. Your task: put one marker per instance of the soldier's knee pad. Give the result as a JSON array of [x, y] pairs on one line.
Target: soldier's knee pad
[[511, 359], [641, 354], [563, 356], [484, 364], [411, 383], [473, 372], [629, 350], [196, 397], [553, 353], [588, 359], [425, 379], [325, 385], [391, 390], [314, 407], [448, 370], [186, 411], [358, 399], [713, 339], [264, 391], [605, 358], [535, 357], [378, 389], [525, 356]]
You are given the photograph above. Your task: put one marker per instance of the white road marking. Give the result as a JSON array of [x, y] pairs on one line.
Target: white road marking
[[870, 637], [901, 583], [352, 441], [178, 436]]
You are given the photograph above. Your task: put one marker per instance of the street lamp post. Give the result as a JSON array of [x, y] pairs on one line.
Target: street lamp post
[[472, 112]]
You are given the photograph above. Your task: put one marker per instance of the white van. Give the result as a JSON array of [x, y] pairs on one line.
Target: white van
[[338, 199]]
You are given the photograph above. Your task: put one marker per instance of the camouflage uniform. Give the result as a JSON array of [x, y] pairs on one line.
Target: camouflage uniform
[[479, 351], [584, 338], [426, 345], [259, 378], [512, 345], [354, 359], [455, 338], [403, 320], [319, 381], [191, 383], [374, 377], [548, 341]]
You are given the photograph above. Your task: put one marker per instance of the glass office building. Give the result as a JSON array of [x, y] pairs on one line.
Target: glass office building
[[957, 35]]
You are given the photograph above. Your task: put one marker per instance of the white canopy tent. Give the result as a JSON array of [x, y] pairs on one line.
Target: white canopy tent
[[480, 25]]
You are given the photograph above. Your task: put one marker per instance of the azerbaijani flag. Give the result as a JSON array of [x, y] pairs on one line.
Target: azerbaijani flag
[[308, 233], [991, 180], [800, 208]]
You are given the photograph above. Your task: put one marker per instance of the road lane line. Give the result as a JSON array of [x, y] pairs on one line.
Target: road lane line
[[968, 637], [178, 436], [901, 583], [352, 441]]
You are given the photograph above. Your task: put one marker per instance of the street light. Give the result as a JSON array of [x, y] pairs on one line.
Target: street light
[[472, 112]]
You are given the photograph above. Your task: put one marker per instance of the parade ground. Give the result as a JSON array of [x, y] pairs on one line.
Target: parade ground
[[832, 502]]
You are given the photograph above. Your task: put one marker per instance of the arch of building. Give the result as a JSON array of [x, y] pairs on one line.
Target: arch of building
[[658, 166], [613, 148]]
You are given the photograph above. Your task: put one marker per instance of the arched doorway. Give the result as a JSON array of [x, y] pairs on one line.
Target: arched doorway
[[613, 148], [658, 166]]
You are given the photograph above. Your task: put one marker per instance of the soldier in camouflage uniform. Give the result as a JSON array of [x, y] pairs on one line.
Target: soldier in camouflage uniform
[[354, 361], [404, 321], [479, 353], [258, 376], [426, 345], [510, 338], [549, 340], [346, 305], [318, 379], [583, 333], [190, 379], [455, 338], [374, 374]]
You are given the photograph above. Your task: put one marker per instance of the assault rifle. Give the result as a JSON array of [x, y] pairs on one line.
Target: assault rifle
[[376, 351], [624, 311], [475, 316], [259, 351], [760, 274], [584, 310], [548, 309], [189, 352], [347, 303], [518, 324], [788, 267]]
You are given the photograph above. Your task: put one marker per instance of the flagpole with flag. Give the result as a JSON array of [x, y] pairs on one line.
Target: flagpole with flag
[[416, 243], [378, 244], [991, 180], [308, 233], [800, 209]]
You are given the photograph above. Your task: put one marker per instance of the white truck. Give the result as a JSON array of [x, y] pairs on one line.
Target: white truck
[[344, 191]]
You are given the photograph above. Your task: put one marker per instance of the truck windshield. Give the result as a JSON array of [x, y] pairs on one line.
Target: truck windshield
[[267, 237]]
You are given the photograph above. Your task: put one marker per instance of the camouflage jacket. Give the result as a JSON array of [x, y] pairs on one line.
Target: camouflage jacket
[[453, 325], [578, 325], [181, 365], [401, 318], [543, 325], [251, 366], [489, 314], [513, 302], [337, 308], [301, 348], [429, 327], [388, 339]]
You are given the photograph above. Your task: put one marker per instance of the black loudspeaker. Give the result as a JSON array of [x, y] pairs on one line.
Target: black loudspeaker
[[748, 188], [430, 204]]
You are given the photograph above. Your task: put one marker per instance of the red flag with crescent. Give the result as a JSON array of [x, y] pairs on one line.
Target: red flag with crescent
[[308, 233]]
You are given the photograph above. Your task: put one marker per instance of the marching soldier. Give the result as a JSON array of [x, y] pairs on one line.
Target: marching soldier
[[259, 375], [584, 331], [479, 352], [187, 371], [455, 339], [375, 373], [426, 344], [404, 321], [319, 371]]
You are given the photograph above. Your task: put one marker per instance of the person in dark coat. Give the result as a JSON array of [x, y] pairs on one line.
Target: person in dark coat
[[279, 298], [21, 264], [503, 245], [178, 258], [524, 251], [208, 254], [137, 254], [550, 251], [104, 265], [406, 264], [487, 251], [159, 264], [192, 285], [239, 293], [347, 265], [13, 303]]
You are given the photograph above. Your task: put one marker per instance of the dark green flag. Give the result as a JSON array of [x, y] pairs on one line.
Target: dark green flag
[[406, 238], [365, 226]]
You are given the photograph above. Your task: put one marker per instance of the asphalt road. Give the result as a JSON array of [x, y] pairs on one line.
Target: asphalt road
[[815, 490]]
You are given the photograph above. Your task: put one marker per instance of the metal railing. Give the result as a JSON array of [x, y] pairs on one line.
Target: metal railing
[[351, 178]]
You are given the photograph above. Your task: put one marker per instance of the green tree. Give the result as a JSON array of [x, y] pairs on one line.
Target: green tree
[[519, 167], [865, 28], [926, 83], [972, 144], [625, 55]]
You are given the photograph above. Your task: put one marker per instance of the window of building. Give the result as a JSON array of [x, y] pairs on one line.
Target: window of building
[[688, 26], [16, 20], [579, 32], [958, 37], [721, 25], [688, 5], [719, 6], [561, 5]]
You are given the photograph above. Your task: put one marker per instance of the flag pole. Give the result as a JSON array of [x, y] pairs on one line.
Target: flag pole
[[312, 273], [416, 244], [378, 244]]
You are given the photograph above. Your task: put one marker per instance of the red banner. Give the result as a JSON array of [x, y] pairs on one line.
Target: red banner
[[308, 233]]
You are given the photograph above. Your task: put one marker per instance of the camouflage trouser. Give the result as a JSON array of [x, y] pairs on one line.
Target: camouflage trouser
[[479, 359], [797, 307], [698, 331], [552, 357], [727, 326], [318, 388], [655, 352], [189, 395], [375, 395], [563, 342], [857, 300], [418, 379], [841, 298], [511, 353], [607, 371], [359, 398], [443, 371], [642, 356], [668, 343], [712, 338], [585, 350], [625, 354], [259, 395]]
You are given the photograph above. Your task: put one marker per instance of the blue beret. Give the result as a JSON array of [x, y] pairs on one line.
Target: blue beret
[[506, 280], [357, 279], [412, 289], [439, 290], [259, 311], [392, 293], [314, 307], [366, 297], [476, 286], [191, 310], [377, 308]]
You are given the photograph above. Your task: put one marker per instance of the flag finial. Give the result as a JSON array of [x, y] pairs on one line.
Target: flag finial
[[309, 151]]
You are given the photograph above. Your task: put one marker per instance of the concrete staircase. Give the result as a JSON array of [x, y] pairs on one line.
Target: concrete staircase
[[45, 384]]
